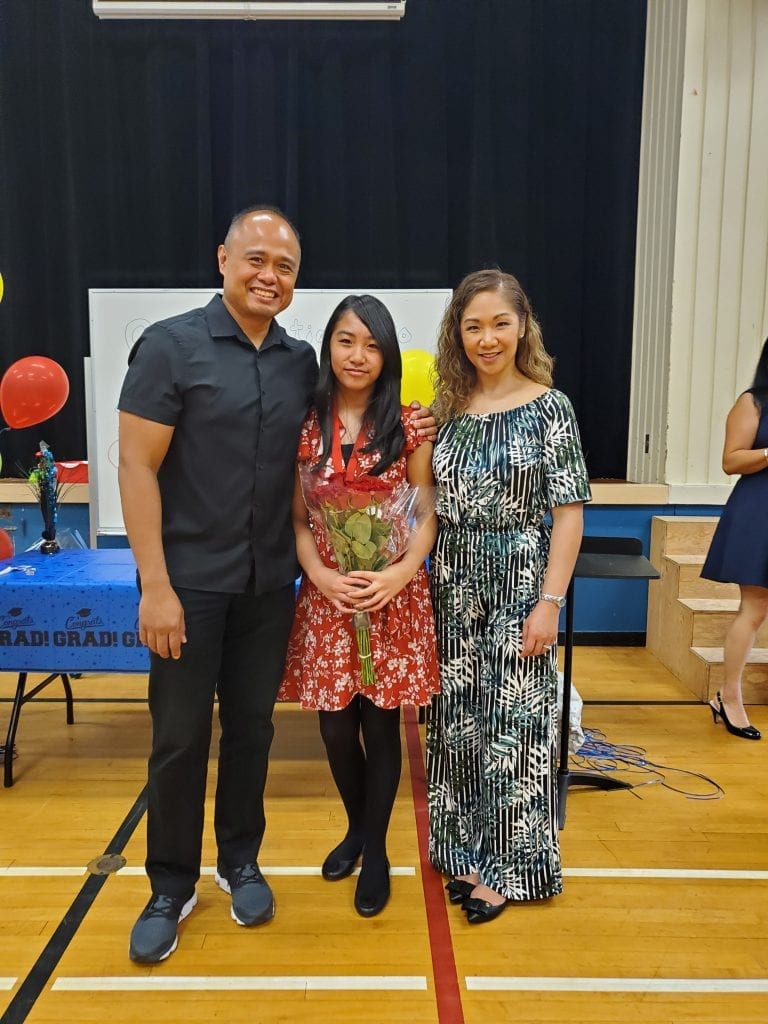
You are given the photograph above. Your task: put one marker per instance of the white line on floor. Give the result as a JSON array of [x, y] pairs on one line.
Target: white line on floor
[[679, 873], [273, 871], [214, 983], [20, 872], [664, 873], [501, 984]]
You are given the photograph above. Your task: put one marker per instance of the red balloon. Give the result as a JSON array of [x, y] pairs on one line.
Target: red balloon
[[6, 544], [32, 390]]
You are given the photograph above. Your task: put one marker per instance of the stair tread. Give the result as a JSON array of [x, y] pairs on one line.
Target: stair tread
[[686, 559], [710, 604], [715, 655], [688, 519]]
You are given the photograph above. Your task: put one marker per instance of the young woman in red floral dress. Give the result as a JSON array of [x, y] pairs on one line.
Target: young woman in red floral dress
[[357, 431]]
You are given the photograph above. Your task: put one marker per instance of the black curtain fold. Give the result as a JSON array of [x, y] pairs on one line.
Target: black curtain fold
[[497, 132]]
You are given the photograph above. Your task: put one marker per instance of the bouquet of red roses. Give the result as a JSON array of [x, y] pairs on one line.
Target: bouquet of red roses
[[368, 525]]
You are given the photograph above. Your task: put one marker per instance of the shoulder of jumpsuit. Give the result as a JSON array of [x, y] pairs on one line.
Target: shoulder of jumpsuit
[[555, 407], [556, 397]]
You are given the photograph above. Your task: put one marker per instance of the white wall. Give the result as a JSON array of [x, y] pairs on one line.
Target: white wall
[[714, 312]]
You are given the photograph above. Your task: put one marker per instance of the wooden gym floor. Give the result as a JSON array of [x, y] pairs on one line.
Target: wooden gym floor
[[664, 917]]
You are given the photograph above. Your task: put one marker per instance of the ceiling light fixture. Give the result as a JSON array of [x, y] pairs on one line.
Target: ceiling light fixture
[[277, 10]]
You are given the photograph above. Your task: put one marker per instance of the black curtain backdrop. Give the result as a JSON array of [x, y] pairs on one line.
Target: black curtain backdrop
[[472, 133]]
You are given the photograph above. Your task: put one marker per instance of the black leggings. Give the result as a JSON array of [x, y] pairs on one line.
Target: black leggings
[[363, 746]]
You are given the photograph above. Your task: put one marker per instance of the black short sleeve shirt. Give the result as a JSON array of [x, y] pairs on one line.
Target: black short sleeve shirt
[[227, 479]]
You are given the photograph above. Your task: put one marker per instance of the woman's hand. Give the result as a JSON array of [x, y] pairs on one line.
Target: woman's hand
[[340, 590], [378, 588], [540, 629]]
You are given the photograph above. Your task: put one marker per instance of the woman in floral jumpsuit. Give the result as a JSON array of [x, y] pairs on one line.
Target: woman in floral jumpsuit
[[507, 454]]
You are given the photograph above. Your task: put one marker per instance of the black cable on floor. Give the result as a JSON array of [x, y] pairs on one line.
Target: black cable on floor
[[597, 754], [22, 1003]]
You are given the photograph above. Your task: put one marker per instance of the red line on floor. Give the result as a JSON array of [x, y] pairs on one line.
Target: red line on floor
[[447, 992]]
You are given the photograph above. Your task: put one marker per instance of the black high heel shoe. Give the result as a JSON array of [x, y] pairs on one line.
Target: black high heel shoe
[[459, 889], [481, 911], [749, 732]]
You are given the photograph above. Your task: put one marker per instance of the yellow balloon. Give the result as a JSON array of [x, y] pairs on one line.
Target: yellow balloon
[[417, 377]]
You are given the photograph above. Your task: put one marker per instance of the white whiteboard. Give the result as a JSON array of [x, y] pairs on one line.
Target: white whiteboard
[[119, 316]]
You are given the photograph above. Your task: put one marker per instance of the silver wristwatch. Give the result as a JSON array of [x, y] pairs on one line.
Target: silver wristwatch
[[553, 599]]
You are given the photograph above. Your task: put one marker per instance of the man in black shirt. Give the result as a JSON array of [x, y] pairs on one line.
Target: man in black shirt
[[210, 413]]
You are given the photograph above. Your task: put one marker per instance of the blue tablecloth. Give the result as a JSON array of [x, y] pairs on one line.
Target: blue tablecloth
[[77, 612]]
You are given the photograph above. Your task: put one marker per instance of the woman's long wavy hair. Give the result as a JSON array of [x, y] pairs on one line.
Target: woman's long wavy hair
[[454, 375], [759, 387], [382, 417]]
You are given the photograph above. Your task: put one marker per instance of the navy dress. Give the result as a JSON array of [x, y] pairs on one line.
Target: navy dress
[[739, 549]]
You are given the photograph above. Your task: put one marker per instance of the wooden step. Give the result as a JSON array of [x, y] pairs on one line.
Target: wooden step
[[689, 583], [711, 619], [688, 617], [685, 535], [754, 681]]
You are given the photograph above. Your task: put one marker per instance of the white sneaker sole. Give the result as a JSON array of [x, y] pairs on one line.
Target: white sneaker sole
[[224, 884]]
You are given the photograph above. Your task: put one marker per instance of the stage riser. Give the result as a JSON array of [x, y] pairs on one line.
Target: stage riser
[[689, 617]]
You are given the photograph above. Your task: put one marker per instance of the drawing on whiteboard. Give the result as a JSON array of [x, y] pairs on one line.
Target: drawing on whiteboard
[[307, 332], [134, 330]]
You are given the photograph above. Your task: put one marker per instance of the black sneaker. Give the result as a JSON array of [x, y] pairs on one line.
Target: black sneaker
[[154, 935], [252, 899]]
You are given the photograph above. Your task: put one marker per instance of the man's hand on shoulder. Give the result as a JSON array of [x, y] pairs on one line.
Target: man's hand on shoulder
[[424, 421]]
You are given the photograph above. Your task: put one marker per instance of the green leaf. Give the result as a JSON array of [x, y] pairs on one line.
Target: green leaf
[[364, 550], [358, 527]]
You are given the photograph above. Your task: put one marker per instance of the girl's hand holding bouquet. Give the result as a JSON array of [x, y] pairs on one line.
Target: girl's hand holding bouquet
[[368, 525]]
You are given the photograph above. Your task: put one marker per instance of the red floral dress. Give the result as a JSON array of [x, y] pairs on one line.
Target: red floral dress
[[322, 668]]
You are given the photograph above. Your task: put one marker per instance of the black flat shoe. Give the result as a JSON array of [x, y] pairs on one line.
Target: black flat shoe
[[459, 889], [335, 866], [480, 911], [748, 732], [371, 904]]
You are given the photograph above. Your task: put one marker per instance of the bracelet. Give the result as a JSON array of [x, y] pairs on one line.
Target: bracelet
[[553, 599], [765, 454]]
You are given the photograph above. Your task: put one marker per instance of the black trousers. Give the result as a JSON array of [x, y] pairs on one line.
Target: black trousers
[[236, 646]]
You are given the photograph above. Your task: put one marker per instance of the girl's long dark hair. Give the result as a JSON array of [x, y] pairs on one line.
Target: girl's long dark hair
[[759, 388], [382, 417]]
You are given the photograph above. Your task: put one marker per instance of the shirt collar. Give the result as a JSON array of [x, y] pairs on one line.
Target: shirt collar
[[222, 324]]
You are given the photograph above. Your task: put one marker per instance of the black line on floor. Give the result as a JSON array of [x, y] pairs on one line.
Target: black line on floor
[[19, 1007]]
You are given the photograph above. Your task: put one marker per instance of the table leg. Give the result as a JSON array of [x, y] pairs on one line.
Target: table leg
[[70, 701], [10, 738], [565, 777], [565, 713]]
